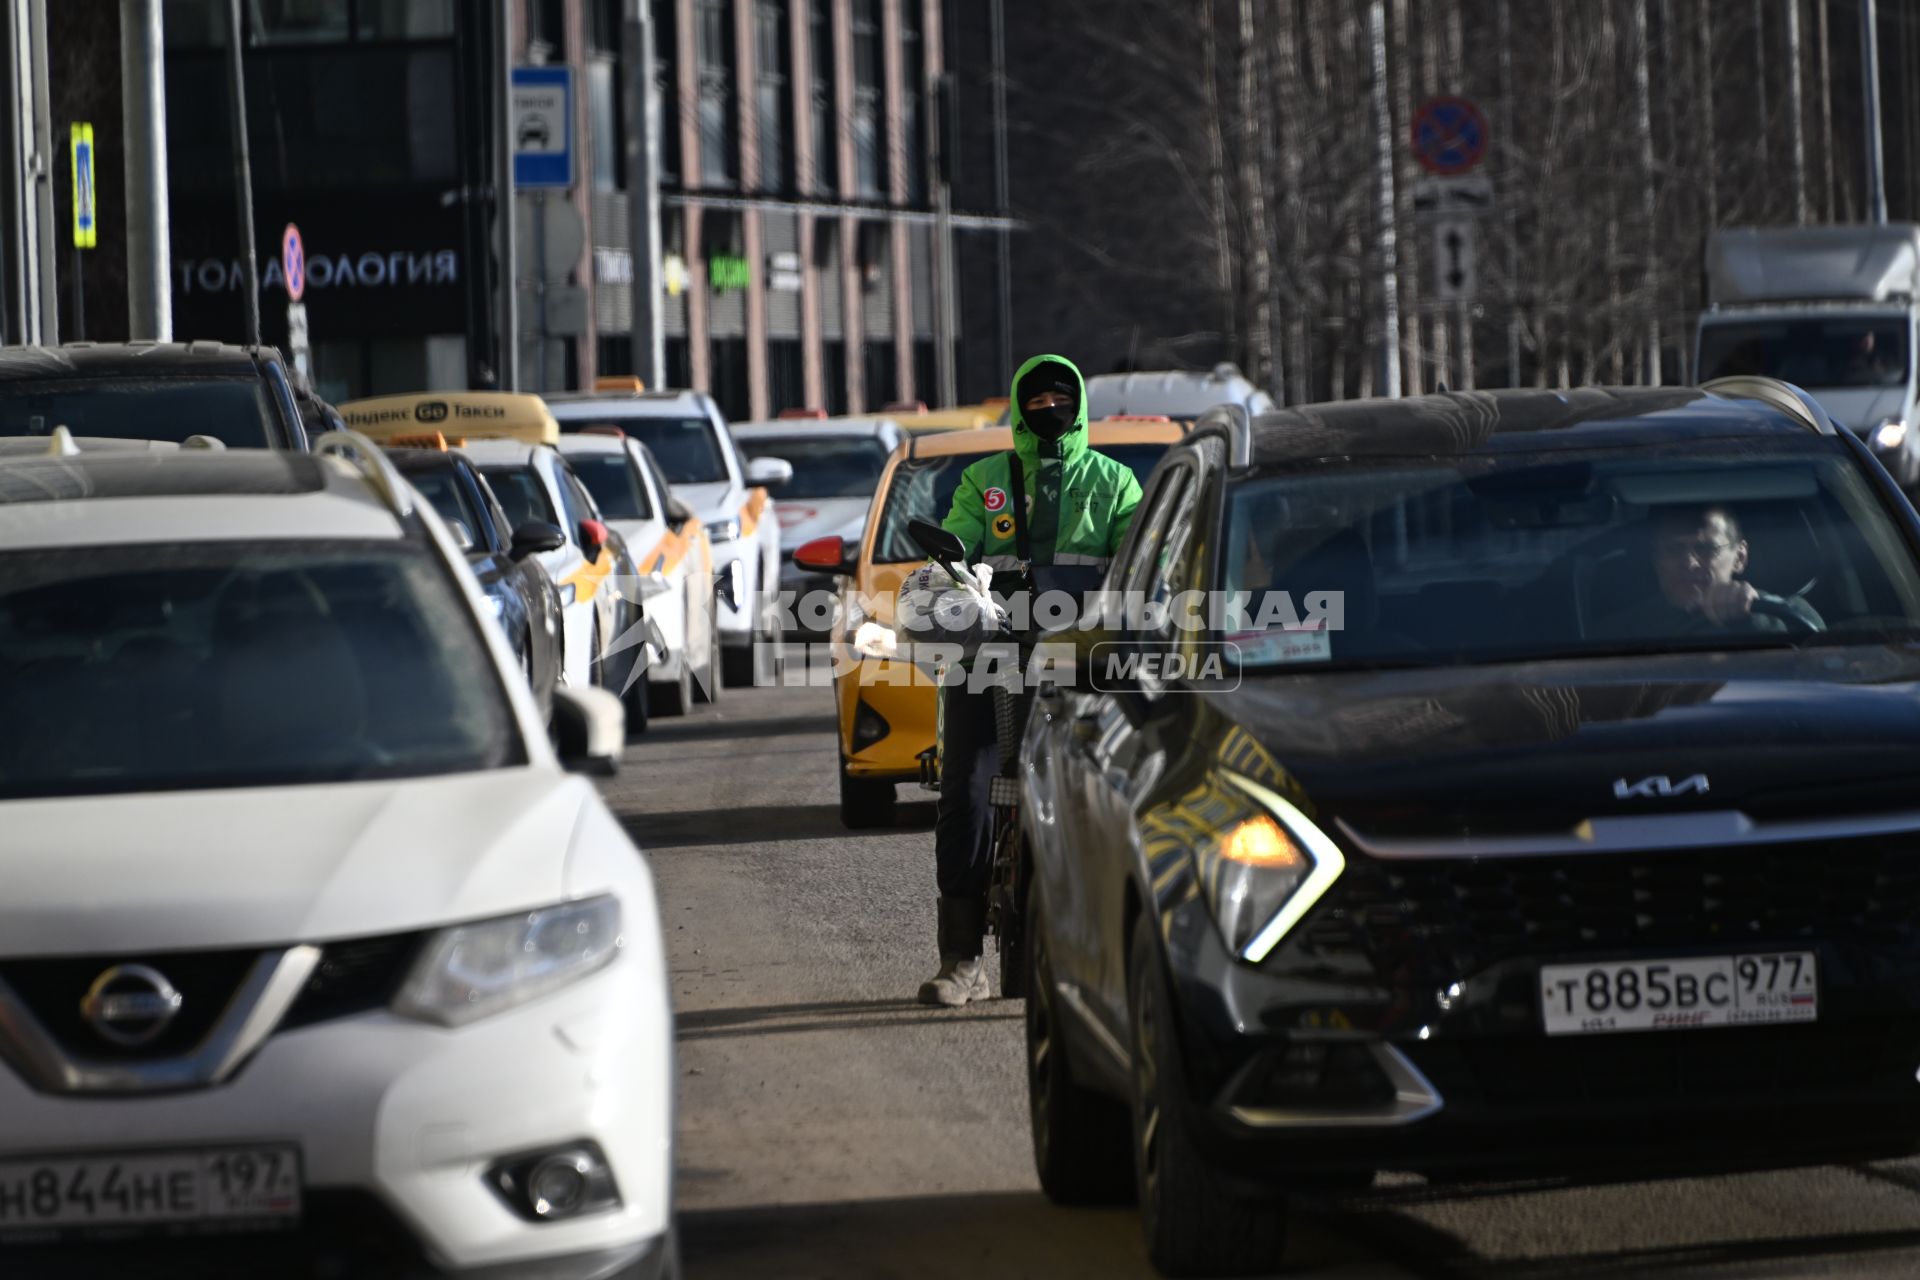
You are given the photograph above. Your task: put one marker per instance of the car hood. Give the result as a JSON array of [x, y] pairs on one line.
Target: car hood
[[272, 865], [804, 519], [711, 502], [1862, 408], [1539, 748]]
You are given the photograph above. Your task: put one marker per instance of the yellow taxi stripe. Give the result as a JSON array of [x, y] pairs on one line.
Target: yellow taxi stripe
[[669, 551], [587, 578], [750, 514]]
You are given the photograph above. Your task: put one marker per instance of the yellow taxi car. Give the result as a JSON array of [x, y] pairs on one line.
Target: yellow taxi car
[[510, 437], [887, 708]]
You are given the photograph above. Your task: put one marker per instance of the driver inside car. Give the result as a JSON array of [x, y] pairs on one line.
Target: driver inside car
[[1699, 556]]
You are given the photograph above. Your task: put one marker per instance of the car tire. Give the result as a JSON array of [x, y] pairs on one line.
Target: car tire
[[709, 689], [866, 803], [674, 697], [1081, 1139], [1195, 1221], [638, 700], [736, 666]]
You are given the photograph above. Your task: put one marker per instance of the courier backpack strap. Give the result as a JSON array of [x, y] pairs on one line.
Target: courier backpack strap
[[1017, 481]]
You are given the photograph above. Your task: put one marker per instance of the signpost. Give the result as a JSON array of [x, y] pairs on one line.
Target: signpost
[[542, 122], [1449, 139], [1449, 136], [293, 266], [86, 230], [543, 127], [1454, 277]]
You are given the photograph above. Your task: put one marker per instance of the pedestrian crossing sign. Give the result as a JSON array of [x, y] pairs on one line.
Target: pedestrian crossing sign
[[85, 229]]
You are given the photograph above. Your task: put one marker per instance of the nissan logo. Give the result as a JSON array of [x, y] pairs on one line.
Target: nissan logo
[[431, 411], [130, 1004]]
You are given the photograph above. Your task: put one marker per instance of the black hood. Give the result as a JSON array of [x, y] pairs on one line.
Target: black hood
[[1541, 748]]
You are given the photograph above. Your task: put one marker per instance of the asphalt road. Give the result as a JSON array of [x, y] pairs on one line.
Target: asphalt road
[[829, 1127]]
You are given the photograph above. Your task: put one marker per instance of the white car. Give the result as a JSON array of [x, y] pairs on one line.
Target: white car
[[837, 465], [532, 482], [307, 927], [688, 437], [672, 555]]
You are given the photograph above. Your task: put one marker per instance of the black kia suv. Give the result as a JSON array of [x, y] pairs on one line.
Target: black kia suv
[[1483, 784]]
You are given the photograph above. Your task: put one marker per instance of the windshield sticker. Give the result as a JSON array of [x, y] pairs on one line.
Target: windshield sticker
[[1304, 644]]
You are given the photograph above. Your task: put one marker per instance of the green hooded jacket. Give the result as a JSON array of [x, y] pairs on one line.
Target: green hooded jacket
[[1094, 495]]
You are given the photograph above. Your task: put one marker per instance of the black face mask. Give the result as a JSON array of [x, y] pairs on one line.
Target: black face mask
[[1052, 422]]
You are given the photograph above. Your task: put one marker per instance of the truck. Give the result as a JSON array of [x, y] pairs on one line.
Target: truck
[[1830, 309]]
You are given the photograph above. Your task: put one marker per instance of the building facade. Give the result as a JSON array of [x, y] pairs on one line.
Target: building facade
[[801, 239], [797, 219]]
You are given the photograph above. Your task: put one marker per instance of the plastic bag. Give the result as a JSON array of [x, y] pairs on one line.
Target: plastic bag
[[934, 605]]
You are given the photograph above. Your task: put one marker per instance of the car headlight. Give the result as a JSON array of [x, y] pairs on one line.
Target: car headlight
[[476, 970], [567, 594], [724, 530], [1263, 874], [1890, 434]]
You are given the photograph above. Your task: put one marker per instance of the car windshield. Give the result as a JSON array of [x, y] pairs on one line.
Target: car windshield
[[610, 478], [449, 497], [234, 411], [520, 494], [923, 488], [1819, 353], [823, 466], [240, 664], [687, 449], [1527, 556]]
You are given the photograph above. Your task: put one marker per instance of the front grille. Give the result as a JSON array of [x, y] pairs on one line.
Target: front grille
[[53, 989], [1462, 915], [356, 976], [1716, 1067]]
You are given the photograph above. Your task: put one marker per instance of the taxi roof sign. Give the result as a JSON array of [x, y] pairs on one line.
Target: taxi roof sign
[[618, 382], [470, 415]]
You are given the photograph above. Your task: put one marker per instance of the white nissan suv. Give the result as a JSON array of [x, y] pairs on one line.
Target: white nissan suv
[[306, 927]]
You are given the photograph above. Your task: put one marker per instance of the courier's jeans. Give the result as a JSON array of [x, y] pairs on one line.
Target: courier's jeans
[[963, 825]]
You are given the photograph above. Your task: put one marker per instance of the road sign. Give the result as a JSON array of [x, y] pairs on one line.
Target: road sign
[[293, 262], [542, 123], [1435, 199], [550, 237], [1453, 261], [299, 347], [1449, 135], [86, 230]]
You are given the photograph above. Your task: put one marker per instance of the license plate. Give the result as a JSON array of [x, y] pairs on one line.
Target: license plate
[[1679, 995], [255, 1187]]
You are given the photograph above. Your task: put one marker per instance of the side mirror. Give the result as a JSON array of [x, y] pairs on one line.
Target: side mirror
[[937, 542], [589, 730], [535, 537], [593, 538], [462, 536], [770, 472], [824, 555], [678, 513]]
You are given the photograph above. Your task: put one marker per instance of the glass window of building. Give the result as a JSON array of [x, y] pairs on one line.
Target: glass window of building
[[547, 24], [666, 86], [606, 126], [773, 67], [403, 19], [299, 21], [869, 146], [826, 132], [604, 23], [719, 131], [913, 83]]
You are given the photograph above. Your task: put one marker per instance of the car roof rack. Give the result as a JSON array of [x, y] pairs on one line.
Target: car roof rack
[[1784, 396], [374, 467], [1233, 421]]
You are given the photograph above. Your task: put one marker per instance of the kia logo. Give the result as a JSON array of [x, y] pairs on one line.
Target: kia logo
[[431, 411], [1659, 787], [130, 1004]]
